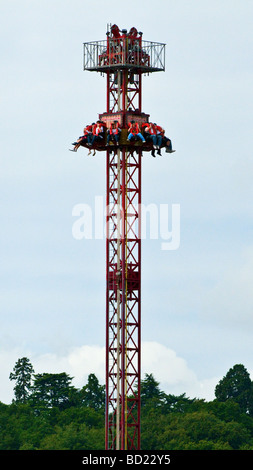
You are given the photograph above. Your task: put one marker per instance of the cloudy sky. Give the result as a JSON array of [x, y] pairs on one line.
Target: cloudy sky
[[197, 301]]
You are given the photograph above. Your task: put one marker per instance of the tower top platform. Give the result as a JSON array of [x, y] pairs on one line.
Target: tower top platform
[[124, 50]]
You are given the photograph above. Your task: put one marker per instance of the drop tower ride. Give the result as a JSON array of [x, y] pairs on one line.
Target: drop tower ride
[[123, 58]]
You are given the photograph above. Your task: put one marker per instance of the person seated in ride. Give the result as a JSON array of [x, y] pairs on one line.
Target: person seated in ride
[[89, 132], [145, 131], [167, 144], [98, 132], [134, 132], [113, 133], [150, 129], [159, 132], [85, 138], [162, 140], [150, 134]]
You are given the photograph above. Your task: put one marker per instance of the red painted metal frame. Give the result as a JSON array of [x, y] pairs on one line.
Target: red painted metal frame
[[130, 89]]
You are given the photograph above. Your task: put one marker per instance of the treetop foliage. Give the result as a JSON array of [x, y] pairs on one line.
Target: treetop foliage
[[48, 412]]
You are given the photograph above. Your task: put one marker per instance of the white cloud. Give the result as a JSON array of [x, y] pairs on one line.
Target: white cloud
[[171, 371], [165, 365], [79, 362]]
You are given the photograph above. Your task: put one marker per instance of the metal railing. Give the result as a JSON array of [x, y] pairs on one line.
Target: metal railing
[[124, 53]]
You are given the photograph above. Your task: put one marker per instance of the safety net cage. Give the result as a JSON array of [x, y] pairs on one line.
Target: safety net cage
[[144, 56]]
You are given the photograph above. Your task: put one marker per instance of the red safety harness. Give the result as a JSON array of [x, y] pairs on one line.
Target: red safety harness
[[116, 131], [98, 129], [87, 130], [159, 130], [134, 128]]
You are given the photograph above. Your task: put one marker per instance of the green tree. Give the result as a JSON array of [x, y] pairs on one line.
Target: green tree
[[179, 404], [150, 391], [74, 437], [93, 394], [237, 386], [22, 374], [21, 428], [52, 390]]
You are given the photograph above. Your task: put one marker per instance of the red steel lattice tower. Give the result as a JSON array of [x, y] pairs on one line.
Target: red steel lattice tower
[[123, 58]]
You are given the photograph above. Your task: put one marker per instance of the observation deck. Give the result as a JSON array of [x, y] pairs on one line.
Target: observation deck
[[126, 52]]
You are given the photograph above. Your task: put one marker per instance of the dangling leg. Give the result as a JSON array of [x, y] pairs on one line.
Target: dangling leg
[[159, 143], [168, 146], [141, 137]]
